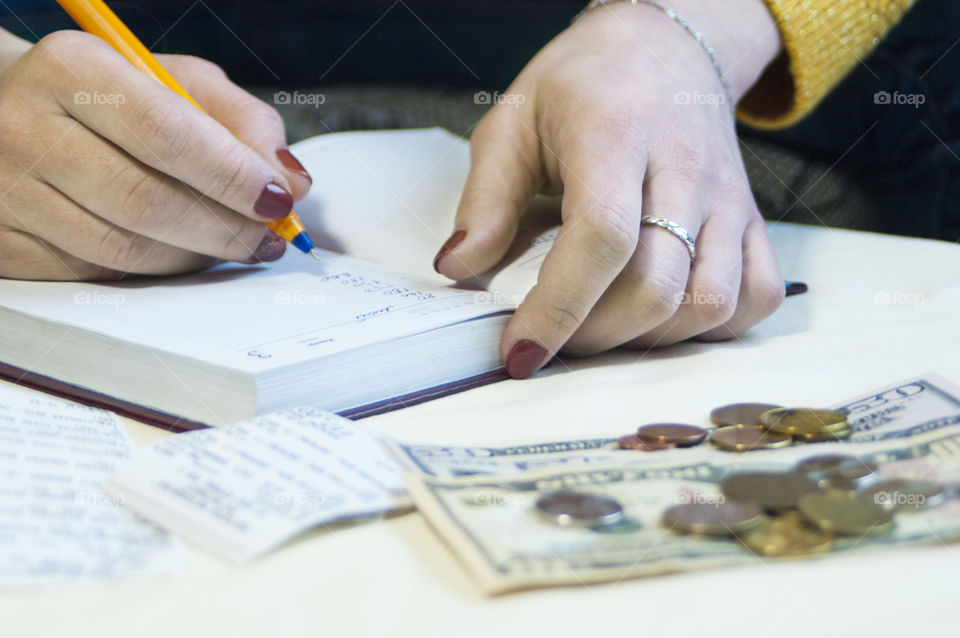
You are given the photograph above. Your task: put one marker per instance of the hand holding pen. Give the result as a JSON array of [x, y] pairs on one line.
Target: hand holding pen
[[119, 174]]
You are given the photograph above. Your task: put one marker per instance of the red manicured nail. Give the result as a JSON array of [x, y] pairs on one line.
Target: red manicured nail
[[524, 358], [448, 246], [274, 202], [291, 163], [270, 248]]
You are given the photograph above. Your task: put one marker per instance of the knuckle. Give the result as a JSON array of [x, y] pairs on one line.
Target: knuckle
[[147, 202], [612, 234], [660, 295], [562, 318], [53, 48], [200, 66], [232, 179], [165, 129], [118, 249], [768, 296], [715, 303]]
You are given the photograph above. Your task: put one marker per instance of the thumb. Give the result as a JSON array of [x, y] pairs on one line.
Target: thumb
[[251, 120], [504, 174]]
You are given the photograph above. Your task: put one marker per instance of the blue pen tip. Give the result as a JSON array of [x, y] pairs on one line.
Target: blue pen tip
[[302, 242]]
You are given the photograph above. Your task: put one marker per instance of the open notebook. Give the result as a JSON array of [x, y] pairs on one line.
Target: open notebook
[[369, 327]]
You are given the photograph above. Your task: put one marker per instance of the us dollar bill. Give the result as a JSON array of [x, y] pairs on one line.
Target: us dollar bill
[[908, 430], [899, 410]]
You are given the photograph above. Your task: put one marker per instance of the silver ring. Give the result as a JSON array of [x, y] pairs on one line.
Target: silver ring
[[674, 228]]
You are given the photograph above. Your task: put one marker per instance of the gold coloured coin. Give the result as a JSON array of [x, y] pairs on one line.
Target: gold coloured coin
[[844, 512], [804, 422], [728, 518], [773, 491], [742, 438], [740, 413], [826, 434], [787, 535]]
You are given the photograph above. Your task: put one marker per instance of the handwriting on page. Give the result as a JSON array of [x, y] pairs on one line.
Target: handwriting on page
[[56, 525], [243, 489]]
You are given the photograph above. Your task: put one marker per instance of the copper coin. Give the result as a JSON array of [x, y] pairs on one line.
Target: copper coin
[[774, 491], [742, 438], [579, 509], [740, 413], [728, 518], [678, 434], [634, 442], [836, 470]]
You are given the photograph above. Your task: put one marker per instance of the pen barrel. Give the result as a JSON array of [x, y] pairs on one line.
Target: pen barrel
[[288, 227], [96, 18]]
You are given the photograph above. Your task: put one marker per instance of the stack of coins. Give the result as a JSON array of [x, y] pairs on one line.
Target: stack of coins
[[743, 427], [804, 510]]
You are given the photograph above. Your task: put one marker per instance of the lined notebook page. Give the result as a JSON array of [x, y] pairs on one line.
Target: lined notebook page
[[255, 317]]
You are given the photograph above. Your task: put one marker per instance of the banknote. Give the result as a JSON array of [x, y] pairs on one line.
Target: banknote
[[909, 430], [898, 410], [491, 523]]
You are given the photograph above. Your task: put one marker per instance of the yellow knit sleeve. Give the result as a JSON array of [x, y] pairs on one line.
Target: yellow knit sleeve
[[822, 41]]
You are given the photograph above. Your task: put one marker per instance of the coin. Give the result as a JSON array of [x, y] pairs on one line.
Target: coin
[[770, 490], [634, 442], [903, 495], [678, 434], [579, 509], [728, 518], [741, 438], [826, 434], [740, 413], [788, 534], [836, 470], [844, 512], [804, 422]]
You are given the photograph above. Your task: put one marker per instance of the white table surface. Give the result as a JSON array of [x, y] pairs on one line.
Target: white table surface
[[394, 577]]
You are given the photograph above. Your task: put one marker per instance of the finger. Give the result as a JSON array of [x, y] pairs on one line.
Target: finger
[[761, 286], [601, 213], [25, 256], [504, 174], [105, 180], [251, 120], [161, 129], [711, 295], [649, 290], [41, 210]]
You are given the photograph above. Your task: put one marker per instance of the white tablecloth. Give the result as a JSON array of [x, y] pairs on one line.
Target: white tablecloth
[[879, 309]]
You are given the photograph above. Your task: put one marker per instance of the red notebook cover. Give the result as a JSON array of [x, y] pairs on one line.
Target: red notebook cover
[[173, 423]]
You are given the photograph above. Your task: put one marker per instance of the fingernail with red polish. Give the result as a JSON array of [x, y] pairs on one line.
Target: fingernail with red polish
[[271, 248], [524, 358], [291, 163], [448, 246], [274, 202]]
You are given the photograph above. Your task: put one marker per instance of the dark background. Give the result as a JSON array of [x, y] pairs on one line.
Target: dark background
[[304, 42]]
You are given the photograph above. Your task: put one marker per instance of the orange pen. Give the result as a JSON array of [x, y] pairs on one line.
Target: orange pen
[[96, 18]]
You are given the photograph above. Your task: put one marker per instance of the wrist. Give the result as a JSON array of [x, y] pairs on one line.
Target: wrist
[[740, 36], [743, 34]]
